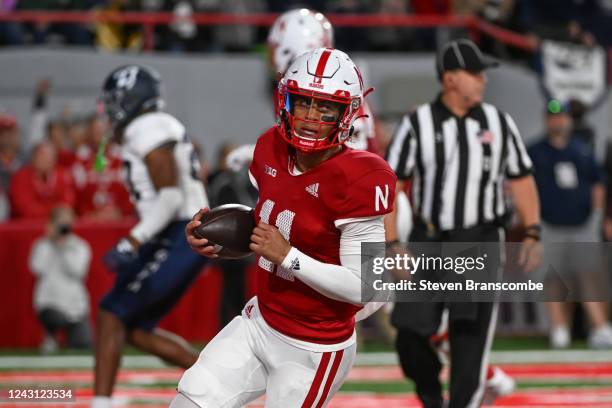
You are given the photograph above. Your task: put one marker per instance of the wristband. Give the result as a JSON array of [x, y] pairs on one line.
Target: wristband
[[534, 227], [533, 236], [389, 244]]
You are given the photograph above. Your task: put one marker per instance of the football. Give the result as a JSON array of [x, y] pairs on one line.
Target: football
[[229, 228]]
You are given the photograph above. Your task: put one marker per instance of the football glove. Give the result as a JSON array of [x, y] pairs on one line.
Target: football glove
[[121, 255]]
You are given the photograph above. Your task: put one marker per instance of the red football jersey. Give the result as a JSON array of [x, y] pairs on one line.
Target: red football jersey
[[34, 197], [304, 208]]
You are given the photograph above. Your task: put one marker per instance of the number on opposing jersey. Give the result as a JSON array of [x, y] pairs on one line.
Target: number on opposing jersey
[[284, 221]]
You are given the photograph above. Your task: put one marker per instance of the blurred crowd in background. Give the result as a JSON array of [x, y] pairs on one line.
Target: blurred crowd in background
[[54, 166], [561, 20]]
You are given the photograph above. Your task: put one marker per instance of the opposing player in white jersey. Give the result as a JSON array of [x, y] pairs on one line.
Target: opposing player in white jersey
[[153, 264], [293, 33]]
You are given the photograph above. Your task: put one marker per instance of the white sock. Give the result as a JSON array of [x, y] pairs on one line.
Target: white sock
[[101, 402]]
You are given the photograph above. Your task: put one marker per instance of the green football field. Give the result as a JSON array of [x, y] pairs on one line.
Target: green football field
[[571, 378]]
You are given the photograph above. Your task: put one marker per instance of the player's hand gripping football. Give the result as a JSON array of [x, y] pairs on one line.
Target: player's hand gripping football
[[199, 245], [268, 242]]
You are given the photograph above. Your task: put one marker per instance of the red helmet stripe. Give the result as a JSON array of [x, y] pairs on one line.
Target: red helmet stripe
[[323, 62]]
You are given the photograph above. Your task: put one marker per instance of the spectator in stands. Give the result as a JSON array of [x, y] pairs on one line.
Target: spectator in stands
[[41, 127], [100, 195], [11, 157], [581, 130], [57, 135], [497, 12], [392, 38], [237, 38], [351, 38], [60, 261], [70, 33], [280, 6], [182, 33], [225, 187], [112, 36], [572, 192], [40, 115], [11, 32], [599, 21], [561, 20], [38, 187], [76, 131], [430, 39]]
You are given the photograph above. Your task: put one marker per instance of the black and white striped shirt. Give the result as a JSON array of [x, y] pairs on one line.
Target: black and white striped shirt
[[458, 165]]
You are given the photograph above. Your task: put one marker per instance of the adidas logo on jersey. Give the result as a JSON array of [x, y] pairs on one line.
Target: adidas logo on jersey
[[313, 189]]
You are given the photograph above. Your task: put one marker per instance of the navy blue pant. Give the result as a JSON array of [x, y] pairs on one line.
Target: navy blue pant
[[147, 288]]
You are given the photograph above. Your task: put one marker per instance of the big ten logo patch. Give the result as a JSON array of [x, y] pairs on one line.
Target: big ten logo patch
[[269, 170]]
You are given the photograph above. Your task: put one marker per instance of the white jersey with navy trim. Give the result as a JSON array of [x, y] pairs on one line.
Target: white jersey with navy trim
[[143, 135]]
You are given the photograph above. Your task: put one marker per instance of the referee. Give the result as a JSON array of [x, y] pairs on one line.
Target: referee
[[459, 151]]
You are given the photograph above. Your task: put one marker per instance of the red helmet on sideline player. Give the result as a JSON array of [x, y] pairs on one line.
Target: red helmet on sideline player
[[295, 32]]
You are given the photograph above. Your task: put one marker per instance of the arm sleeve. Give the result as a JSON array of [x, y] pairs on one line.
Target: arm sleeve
[[39, 120], [518, 161], [38, 124], [339, 282], [162, 211], [401, 154]]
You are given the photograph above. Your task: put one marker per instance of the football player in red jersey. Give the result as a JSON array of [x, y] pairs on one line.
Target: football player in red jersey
[[318, 201]]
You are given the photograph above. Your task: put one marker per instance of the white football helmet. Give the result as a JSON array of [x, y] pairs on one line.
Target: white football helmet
[[295, 32], [321, 79]]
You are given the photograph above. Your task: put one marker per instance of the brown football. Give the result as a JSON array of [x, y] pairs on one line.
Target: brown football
[[229, 227]]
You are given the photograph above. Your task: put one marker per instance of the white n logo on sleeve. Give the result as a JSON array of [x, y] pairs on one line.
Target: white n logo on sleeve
[[381, 198]]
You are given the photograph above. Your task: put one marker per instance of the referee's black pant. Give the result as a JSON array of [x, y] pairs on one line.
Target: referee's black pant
[[471, 329]]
